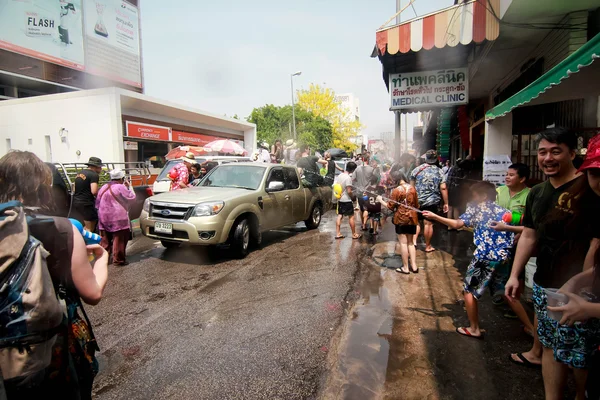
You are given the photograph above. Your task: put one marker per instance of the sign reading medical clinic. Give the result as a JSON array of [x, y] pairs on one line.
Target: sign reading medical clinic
[[148, 132], [429, 89]]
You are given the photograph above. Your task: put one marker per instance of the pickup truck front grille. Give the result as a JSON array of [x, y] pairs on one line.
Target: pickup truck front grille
[[170, 211]]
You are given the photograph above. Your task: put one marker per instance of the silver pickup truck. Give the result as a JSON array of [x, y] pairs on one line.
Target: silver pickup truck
[[233, 205]]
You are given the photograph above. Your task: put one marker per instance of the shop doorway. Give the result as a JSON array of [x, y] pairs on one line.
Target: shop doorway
[[152, 153]]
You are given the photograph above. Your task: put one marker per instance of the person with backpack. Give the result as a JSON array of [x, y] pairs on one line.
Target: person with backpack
[[113, 203], [47, 315]]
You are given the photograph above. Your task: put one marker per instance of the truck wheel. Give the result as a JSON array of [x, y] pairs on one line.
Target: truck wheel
[[314, 220], [170, 245], [240, 239]]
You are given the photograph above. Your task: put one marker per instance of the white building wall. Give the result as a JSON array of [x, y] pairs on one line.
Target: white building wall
[[34, 124]]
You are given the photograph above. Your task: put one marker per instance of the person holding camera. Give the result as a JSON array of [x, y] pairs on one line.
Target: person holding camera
[[114, 200]]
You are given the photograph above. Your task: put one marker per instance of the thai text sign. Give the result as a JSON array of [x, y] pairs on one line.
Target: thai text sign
[[193, 139], [429, 89]]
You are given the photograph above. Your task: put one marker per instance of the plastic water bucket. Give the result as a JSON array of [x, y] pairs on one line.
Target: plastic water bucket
[[530, 269], [555, 299]]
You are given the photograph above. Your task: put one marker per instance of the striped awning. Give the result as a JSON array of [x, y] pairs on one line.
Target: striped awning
[[473, 21]]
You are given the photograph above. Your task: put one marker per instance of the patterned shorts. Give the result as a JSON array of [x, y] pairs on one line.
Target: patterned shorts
[[482, 274], [375, 216], [573, 346]]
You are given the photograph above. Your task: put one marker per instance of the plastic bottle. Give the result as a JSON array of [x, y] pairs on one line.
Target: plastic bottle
[[88, 237]]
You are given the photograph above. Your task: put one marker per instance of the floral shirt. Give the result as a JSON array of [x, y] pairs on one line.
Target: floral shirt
[[490, 245], [404, 194], [183, 175], [428, 179]]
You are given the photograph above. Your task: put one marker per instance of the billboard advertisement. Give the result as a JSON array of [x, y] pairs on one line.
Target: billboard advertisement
[[112, 47], [49, 30], [429, 89]]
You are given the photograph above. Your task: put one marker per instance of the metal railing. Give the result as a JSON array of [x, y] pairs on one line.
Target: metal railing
[[137, 172]]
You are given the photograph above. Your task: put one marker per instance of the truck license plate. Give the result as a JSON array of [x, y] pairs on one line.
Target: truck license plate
[[163, 227]]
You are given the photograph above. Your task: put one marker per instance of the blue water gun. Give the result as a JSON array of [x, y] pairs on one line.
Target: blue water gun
[[88, 237]]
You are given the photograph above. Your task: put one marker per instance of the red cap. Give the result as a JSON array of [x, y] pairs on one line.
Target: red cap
[[592, 157]]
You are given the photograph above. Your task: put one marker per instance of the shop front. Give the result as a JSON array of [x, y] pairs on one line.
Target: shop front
[[114, 124], [566, 96]]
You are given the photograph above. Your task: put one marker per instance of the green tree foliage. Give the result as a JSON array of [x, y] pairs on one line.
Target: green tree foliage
[[273, 122], [321, 102]]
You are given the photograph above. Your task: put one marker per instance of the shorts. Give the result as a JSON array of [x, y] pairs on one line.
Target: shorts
[[406, 229], [573, 346], [434, 208], [345, 208], [361, 204], [482, 274], [375, 216], [85, 213]]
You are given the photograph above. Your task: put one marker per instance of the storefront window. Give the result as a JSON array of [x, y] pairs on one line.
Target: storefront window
[[153, 153]]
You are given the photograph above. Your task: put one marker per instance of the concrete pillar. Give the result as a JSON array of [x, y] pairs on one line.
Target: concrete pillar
[[398, 140], [498, 136], [11, 91]]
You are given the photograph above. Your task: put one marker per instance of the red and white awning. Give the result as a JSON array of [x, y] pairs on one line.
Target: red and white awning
[[473, 21]]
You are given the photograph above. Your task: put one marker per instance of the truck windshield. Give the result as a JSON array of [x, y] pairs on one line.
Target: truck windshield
[[235, 176]]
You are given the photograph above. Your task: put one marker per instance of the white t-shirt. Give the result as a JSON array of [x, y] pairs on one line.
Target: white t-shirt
[[344, 180]]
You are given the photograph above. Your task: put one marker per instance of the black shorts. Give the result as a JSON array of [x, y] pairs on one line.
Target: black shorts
[[434, 208], [406, 229], [85, 212], [345, 208]]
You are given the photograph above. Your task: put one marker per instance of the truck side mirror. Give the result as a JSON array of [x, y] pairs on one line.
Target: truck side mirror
[[275, 186]]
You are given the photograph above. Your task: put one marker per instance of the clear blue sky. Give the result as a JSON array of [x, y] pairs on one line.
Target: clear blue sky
[[229, 56]]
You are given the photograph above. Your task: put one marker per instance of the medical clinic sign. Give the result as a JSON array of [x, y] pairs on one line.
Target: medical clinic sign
[[429, 89], [148, 132]]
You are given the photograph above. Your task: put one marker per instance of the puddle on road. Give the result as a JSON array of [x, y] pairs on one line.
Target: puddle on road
[[363, 358]]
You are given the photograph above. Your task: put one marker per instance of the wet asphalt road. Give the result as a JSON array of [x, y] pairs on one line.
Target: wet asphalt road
[[180, 324]]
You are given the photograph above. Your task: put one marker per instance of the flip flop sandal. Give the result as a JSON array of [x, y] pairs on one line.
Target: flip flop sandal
[[340, 237], [402, 271], [524, 362], [414, 271], [468, 334], [430, 251], [356, 237]]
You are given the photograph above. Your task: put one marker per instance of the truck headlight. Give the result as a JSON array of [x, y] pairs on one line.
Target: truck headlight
[[208, 209], [146, 205]]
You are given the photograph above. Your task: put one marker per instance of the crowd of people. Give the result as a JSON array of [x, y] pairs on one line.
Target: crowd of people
[[557, 221]]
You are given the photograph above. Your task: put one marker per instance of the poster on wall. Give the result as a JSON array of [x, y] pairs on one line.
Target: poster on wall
[[427, 89], [495, 168], [49, 30], [112, 46]]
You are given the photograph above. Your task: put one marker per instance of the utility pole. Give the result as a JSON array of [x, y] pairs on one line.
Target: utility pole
[[293, 105], [405, 134]]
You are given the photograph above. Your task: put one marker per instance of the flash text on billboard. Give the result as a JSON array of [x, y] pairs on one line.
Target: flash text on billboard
[[429, 89]]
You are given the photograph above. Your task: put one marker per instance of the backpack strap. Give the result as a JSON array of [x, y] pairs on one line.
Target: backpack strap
[[9, 206]]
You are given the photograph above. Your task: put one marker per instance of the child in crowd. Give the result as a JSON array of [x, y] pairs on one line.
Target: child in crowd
[[372, 206], [491, 253]]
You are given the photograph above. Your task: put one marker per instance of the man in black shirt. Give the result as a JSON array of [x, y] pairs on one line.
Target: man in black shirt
[[308, 166], [84, 195], [560, 222]]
